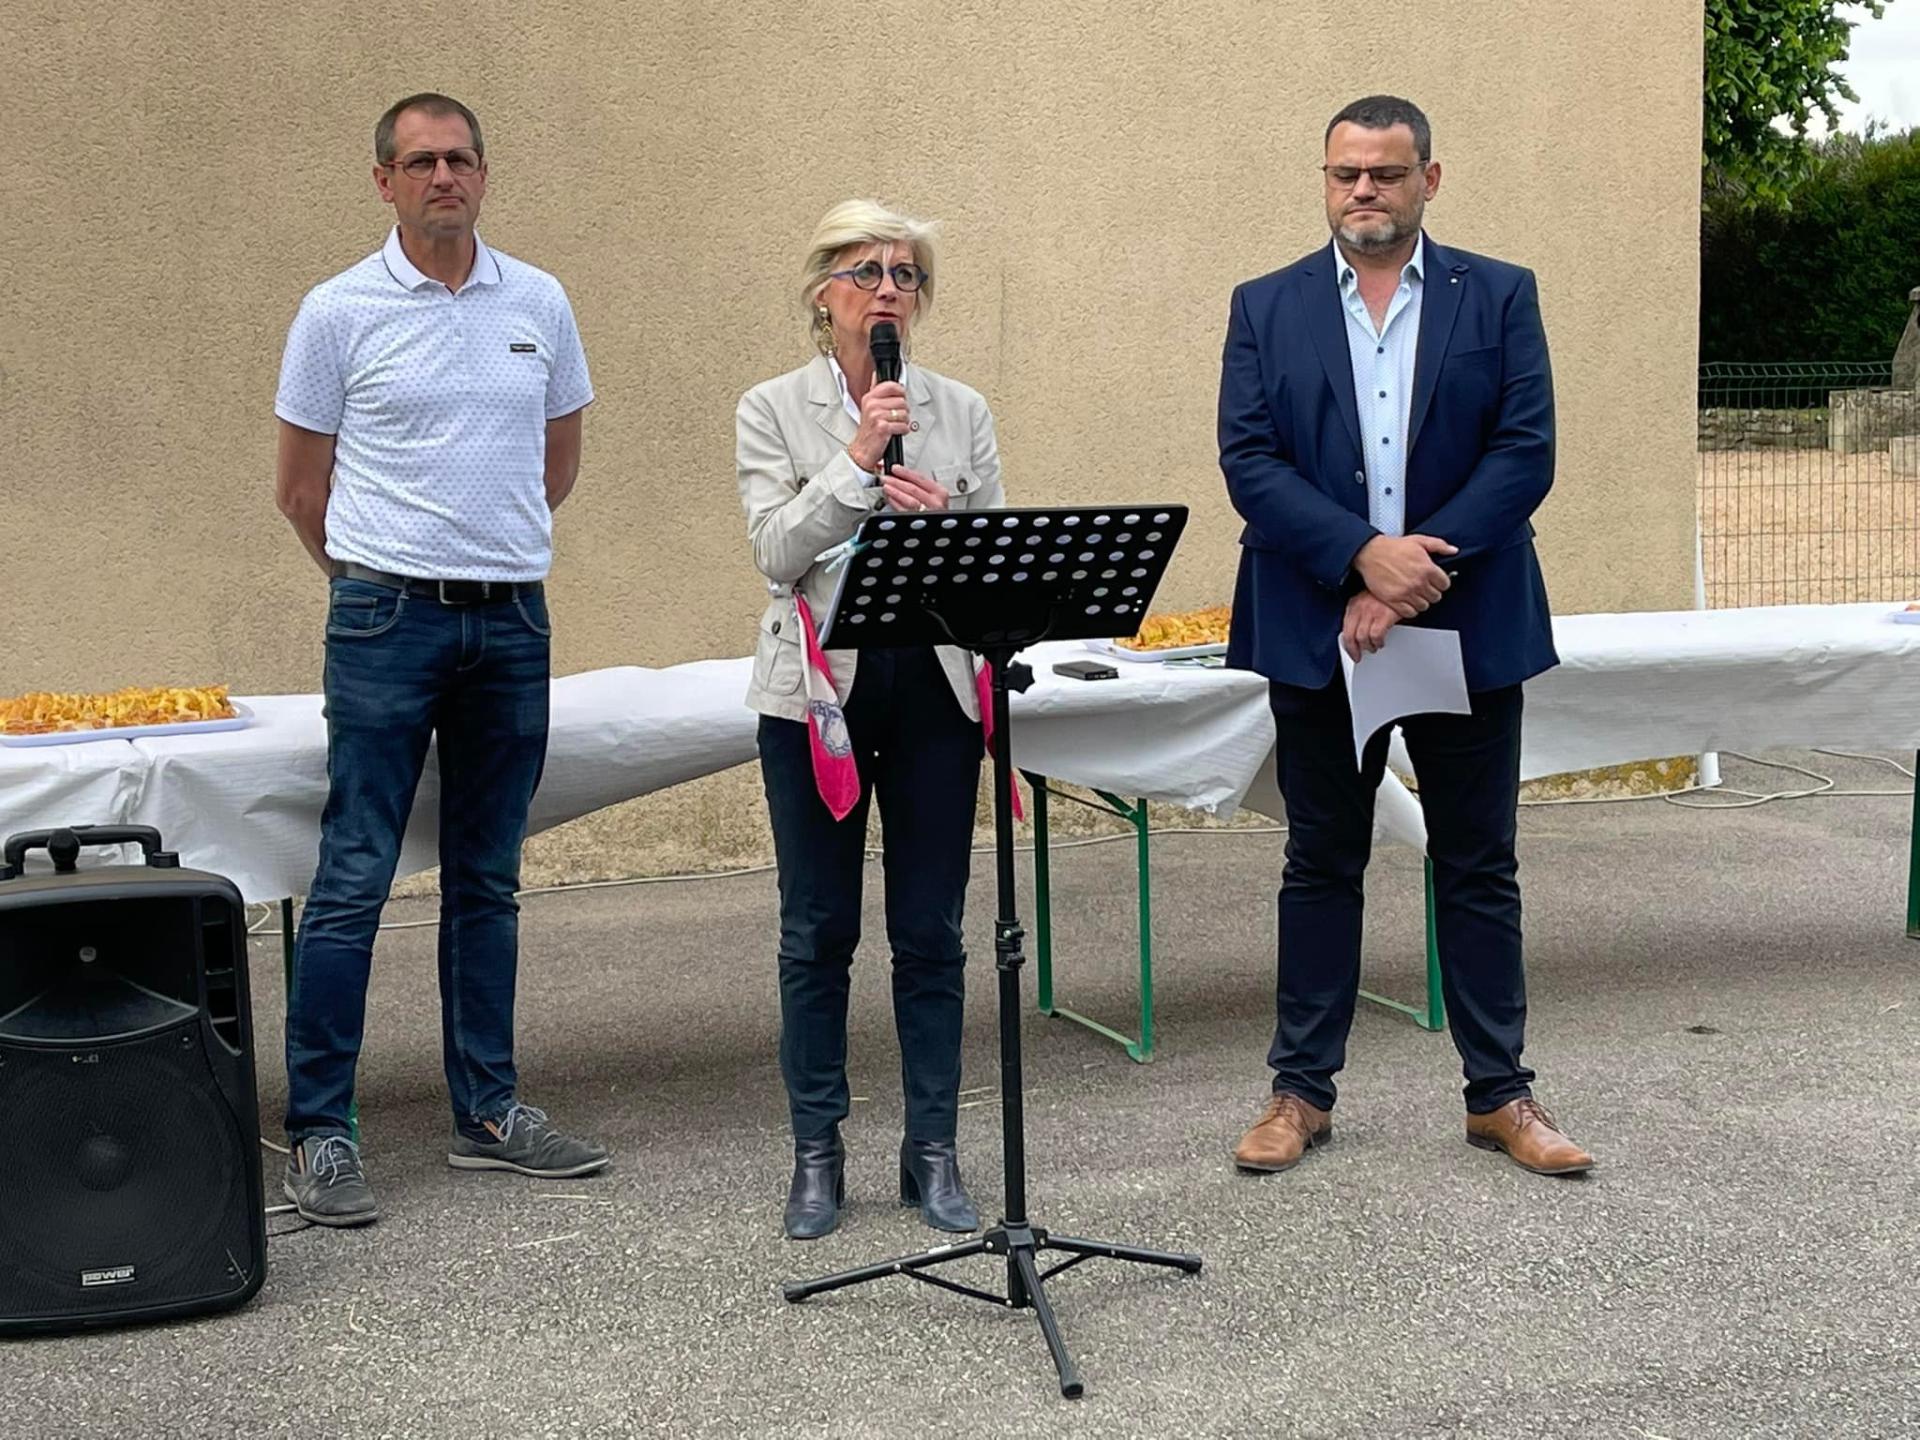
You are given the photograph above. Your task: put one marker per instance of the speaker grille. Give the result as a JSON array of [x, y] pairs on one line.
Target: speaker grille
[[124, 1186]]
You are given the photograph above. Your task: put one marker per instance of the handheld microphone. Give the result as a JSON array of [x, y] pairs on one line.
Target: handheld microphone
[[884, 343]]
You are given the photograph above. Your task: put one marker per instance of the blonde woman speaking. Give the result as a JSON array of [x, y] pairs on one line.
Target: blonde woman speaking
[[901, 725]]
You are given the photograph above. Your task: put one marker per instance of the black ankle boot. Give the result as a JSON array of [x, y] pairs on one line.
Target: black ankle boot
[[819, 1188], [930, 1178]]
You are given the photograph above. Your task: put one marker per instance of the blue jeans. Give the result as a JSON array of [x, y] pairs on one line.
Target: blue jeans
[[402, 669]]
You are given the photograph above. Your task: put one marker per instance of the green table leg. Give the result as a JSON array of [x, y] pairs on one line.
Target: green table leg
[[1436, 1016], [1432, 1015], [286, 953], [1913, 862], [1143, 858], [1140, 1049]]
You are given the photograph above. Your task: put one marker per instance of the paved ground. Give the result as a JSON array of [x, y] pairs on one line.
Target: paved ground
[[1724, 1008]]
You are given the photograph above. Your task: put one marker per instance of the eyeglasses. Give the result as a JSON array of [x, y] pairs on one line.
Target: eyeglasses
[[868, 272], [421, 164], [1384, 176]]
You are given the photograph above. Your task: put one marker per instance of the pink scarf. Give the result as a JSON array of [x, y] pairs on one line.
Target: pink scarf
[[835, 772]]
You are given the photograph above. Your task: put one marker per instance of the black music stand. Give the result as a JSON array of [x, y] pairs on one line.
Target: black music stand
[[995, 582]]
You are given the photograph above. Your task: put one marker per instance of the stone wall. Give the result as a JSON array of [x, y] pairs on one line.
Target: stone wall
[[1731, 428], [1865, 420]]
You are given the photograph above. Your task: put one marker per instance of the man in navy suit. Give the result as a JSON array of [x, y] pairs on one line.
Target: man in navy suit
[[1386, 431]]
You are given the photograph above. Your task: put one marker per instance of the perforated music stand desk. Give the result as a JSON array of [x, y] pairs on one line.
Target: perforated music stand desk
[[995, 582]]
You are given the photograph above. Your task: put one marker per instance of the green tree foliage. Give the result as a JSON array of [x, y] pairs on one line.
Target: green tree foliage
[[1822, 272], [1768, 61]]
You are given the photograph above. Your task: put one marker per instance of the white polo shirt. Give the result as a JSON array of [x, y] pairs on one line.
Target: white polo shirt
[[440, 401]]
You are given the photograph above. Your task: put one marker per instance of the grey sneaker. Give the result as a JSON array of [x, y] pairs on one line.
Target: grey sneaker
[[526, 1142], [327, 1184]]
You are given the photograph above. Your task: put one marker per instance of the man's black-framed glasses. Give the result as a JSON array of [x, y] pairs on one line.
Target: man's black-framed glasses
[[1384, 176], [868, 272], [421, 164]]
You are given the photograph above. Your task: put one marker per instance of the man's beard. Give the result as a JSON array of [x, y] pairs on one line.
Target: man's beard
[[1380, 239]]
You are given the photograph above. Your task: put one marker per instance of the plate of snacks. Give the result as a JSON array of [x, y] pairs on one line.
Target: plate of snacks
[[47, 718], [1181, 636]]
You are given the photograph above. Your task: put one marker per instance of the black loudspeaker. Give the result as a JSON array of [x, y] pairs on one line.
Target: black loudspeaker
[[130, 1181]]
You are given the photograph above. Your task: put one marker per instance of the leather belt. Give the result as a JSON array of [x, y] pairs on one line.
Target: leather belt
[[447, 592]]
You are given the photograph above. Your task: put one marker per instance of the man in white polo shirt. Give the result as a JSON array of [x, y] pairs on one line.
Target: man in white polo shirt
[[429, 411]]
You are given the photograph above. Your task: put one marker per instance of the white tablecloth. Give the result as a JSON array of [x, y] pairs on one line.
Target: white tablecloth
[[1192, 737], [1637, 687], [1660, 683], [247, 803], [92, 783]]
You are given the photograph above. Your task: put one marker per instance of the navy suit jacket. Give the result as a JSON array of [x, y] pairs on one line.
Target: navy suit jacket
[[1479, 462]]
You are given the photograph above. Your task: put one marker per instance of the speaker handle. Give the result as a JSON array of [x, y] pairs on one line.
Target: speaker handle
[[65, 844]]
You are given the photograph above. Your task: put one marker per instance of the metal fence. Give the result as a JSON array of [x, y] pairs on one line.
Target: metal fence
[[1809, 484]]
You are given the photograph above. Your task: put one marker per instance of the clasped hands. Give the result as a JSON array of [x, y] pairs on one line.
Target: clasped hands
[[1402, 579]]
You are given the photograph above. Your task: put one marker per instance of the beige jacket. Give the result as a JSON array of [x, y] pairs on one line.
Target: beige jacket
[[803, 495]]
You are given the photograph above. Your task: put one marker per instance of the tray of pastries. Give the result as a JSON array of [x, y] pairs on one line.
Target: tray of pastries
[[45, 717], [1181, 636]]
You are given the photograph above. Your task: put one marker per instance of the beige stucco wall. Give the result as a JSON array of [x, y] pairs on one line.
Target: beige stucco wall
[[176, 175]]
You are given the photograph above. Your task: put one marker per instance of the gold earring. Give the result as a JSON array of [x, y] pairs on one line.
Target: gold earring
[[823, 330]]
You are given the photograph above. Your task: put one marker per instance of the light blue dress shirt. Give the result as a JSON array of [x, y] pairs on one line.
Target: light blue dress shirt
[[1383, 383]]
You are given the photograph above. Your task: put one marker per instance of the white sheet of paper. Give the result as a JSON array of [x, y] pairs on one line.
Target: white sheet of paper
[[1416, 672]]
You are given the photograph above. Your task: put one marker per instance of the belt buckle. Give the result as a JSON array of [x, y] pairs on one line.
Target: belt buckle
[[446, 599]]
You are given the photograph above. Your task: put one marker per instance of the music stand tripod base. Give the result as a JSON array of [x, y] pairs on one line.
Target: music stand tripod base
[[995, 582]]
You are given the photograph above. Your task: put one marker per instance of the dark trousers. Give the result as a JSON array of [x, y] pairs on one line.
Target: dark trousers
[[1468, 768], [920, 755], [402, 670]]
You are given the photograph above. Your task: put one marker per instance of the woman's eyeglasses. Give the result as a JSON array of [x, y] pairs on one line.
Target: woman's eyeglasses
[[868, 272]]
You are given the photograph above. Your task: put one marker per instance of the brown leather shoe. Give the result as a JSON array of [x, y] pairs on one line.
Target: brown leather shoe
[[1528, 1134], [1289, 1129]]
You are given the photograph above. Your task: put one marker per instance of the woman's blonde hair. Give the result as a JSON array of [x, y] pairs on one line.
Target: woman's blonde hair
[[863, 222]]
